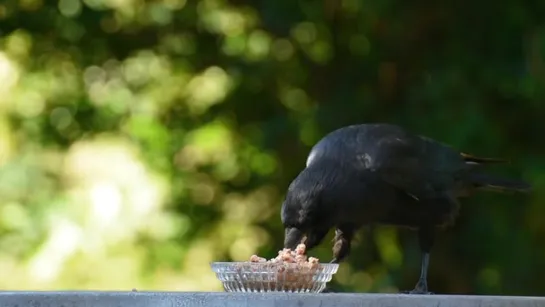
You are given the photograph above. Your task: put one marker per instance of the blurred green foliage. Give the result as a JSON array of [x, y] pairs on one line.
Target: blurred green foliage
[[141, 140]]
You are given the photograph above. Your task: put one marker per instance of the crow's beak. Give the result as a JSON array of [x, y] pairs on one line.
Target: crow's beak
[[292, 237]]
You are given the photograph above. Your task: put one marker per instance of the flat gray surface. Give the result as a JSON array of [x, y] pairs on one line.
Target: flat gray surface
[[186, 299]]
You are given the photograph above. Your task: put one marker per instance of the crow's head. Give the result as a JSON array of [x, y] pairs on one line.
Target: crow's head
[[304, 213]]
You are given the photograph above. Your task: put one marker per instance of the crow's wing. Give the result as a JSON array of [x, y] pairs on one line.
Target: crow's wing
[[415, 164], [420, 166]]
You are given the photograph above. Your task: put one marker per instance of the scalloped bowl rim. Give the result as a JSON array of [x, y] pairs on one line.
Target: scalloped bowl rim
[[235, 266], [263, 263], [269, 264]]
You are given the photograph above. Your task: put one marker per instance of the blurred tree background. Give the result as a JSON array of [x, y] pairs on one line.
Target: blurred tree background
[[141, 140]]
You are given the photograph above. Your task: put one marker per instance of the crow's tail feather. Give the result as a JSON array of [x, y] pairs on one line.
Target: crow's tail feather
[[480, 160], [498, 184]]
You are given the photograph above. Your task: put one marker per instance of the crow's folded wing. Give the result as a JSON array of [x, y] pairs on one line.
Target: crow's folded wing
[[417, 165]]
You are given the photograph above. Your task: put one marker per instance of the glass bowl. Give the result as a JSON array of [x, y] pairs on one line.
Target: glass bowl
[[273, 277]]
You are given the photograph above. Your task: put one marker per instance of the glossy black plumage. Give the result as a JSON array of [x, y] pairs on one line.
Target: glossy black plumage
[[381, 174]]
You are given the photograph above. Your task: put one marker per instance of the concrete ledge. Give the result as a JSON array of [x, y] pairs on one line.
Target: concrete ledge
[[202, 299]]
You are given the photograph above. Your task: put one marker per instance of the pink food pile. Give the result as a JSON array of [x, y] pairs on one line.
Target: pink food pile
[[292, 271], [290, 256]]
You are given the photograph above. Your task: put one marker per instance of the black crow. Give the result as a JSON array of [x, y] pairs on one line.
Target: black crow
[[381, 174]]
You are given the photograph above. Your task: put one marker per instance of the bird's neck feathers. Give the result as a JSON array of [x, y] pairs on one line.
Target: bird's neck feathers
[[313, 179], [312, 183]]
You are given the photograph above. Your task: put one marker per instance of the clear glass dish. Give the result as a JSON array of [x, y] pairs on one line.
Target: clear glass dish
[[273, 277]]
